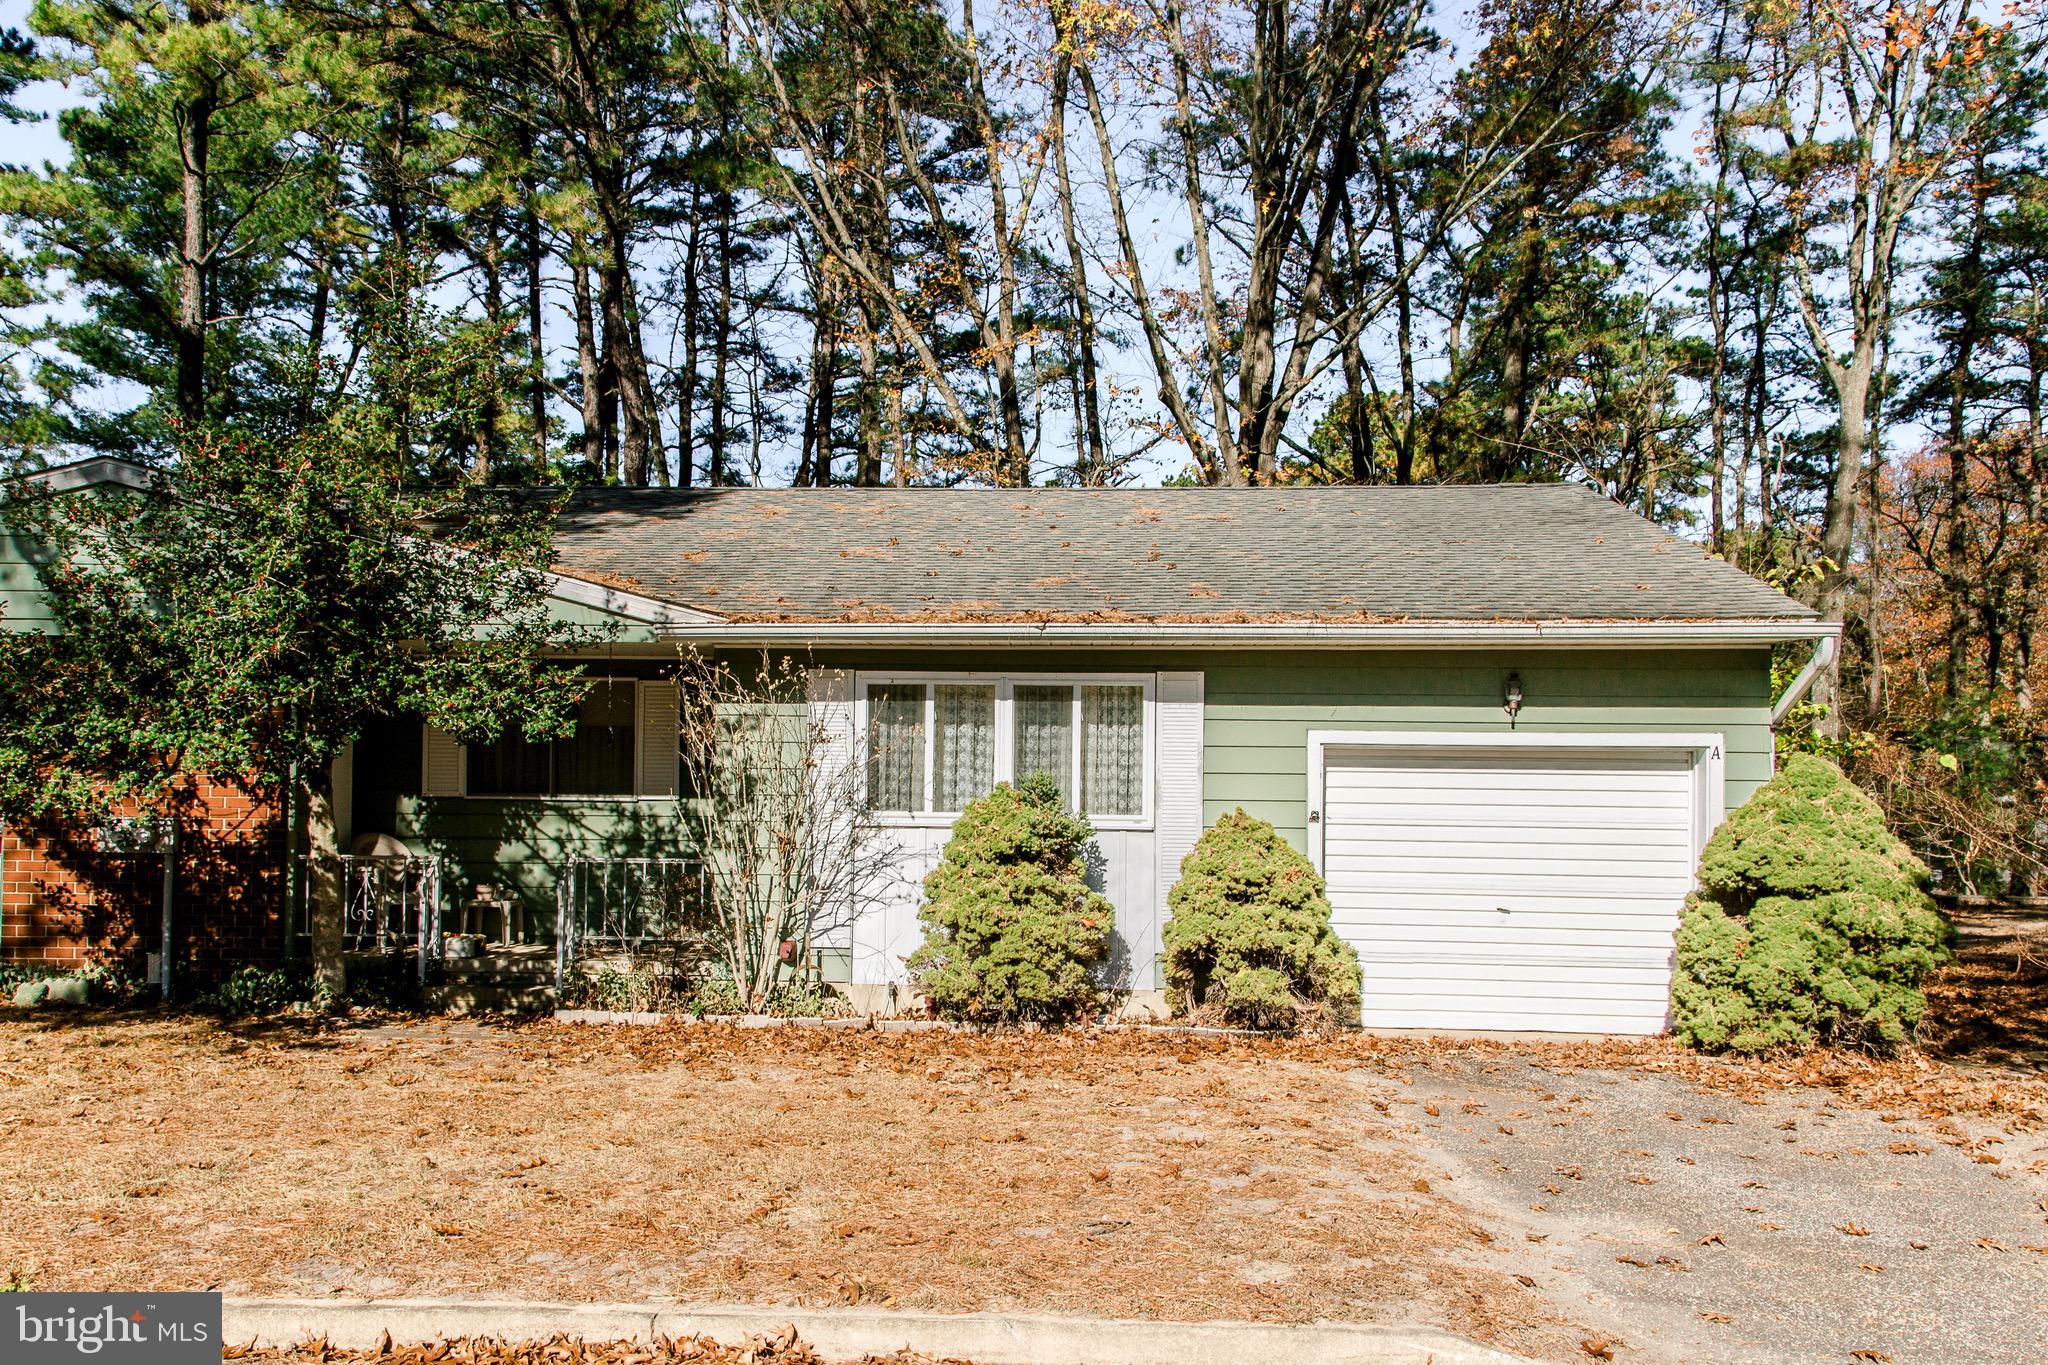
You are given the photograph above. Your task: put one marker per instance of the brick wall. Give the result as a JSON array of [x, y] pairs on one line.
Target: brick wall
[[66, 903]]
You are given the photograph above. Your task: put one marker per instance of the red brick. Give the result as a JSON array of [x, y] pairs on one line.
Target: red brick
[[63, 902]]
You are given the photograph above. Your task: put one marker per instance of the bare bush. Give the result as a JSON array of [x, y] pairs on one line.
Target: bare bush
[[773, 802]]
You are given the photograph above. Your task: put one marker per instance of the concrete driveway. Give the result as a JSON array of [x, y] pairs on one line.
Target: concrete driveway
[[1694, 1225]]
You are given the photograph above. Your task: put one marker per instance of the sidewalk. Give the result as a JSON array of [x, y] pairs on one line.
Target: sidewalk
[[984, 1338]]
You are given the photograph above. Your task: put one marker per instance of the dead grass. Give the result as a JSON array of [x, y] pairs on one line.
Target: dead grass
[[1114, 1174], [1990, 1006], [1107, 1174], [783, 1348]]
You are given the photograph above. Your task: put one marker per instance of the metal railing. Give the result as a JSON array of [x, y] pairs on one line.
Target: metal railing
[[626, 906], [389, 903]]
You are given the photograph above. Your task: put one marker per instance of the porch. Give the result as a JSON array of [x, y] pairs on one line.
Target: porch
[[483, 945]]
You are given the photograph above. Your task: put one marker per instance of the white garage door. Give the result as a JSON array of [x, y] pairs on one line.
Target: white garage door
[[1511, 888]]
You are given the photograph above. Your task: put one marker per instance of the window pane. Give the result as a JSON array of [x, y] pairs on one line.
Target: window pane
[[1113, 750], [1044, 726], [597, 760], [511, 765], [964, 749], [896, 746]]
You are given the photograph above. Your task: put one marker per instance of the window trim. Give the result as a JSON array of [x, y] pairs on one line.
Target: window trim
[[1006, 749], [607, 797]]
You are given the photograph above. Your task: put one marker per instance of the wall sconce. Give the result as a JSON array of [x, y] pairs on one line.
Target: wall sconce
[[1511, 698]]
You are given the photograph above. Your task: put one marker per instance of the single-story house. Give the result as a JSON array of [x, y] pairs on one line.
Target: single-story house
[[1501, 720]]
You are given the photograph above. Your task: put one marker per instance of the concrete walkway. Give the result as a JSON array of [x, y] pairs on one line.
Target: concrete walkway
[[851, 1333]]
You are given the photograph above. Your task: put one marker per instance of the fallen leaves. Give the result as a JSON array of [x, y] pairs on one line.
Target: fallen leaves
[[782, 1347], [1712, 1239], [1852, 1229]]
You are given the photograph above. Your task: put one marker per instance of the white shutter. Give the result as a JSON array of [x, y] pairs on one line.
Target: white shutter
[[655, 728], [441, 767], [832, 716], [1178, 753]]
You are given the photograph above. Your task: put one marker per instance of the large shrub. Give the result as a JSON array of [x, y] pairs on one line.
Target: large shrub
[[1012, 930], [1250, 933], [1812, 923]]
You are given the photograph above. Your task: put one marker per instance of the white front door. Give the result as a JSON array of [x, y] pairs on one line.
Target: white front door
[[1511, 888]]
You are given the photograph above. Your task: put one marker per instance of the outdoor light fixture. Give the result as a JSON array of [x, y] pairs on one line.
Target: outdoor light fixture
[[1511, 699]]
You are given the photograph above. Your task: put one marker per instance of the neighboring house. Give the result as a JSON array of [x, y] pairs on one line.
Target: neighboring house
[[72, 898], [1501, 720]]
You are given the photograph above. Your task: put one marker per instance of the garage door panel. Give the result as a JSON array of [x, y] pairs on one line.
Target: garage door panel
[[1590, 851], [1619, 862], [1482, 913], [1456, 780], [1560, 881], [1537, 814], [1469, 794], [1396, 930], [1473, 840], [1483, 1016], [1642, 996]]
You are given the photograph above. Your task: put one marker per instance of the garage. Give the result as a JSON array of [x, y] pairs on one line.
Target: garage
[[1529, 883]]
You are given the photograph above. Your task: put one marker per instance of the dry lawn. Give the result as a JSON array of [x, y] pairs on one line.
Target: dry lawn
[[1114, 1174], [1108, 1174], [784, 1348]]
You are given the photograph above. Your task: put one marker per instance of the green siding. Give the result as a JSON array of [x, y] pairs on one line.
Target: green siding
[[22, 604], [576, 614], [1260, 709]]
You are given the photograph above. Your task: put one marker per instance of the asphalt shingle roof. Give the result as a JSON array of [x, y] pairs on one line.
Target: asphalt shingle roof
[[1515, 552]]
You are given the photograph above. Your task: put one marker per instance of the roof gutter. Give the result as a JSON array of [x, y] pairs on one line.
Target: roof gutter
[[1276, 635], [1824, 651]]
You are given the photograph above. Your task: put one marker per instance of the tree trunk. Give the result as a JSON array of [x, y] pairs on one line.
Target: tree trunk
[[536, 353], [316, 327], [587, 361], [489, 420], [686, 382], [1970, 271], [194, 135], [1838, 527], [824, 381], [868, 474], [721, 349], [1094, 457]]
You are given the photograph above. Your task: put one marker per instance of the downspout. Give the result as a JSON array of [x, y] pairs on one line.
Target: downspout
[[1823, 654]]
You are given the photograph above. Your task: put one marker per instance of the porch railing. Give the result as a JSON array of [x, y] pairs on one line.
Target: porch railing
[[627, 906], [389, 904]]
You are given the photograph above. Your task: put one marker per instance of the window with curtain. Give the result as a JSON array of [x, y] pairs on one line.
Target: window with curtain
[[1043, 734], [963, 744], [1113, 750], [896, 746], [935, 746], [596, 759]]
